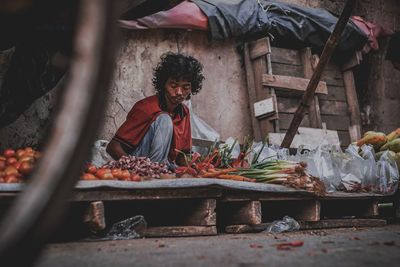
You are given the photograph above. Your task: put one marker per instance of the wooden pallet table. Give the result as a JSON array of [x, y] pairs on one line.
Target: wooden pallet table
[[168, 213], [331, 211]]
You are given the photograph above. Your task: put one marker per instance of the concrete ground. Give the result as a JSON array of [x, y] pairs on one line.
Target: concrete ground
[[339, 247]]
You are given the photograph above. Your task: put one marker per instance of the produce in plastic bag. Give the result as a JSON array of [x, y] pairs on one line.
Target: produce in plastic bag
[[388, 174], [357, 168]]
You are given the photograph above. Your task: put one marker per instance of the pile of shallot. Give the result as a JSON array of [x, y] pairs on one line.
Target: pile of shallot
[[140, 165]]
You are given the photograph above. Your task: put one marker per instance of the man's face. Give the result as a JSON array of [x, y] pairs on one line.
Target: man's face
[[176, 91]]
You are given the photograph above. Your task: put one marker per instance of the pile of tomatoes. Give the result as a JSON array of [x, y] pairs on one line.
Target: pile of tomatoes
[[17, 165], [94, 173]]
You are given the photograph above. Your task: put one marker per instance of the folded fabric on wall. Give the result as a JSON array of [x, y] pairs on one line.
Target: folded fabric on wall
[[185, 15], [289, 25]]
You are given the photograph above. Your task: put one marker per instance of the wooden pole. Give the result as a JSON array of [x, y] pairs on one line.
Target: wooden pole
[[329, 48]]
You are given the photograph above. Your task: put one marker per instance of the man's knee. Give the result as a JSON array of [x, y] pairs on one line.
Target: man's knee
[[164, 121]]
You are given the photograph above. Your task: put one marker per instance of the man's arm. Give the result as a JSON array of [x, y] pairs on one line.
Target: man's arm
[[115, 149]]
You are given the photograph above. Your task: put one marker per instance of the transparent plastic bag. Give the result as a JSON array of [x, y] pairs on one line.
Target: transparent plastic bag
[[235, 149], [267, 153], [321, 164], [388, 175], [287, 224], [131, 228], [357, 168], [99, 153], [200, 129]]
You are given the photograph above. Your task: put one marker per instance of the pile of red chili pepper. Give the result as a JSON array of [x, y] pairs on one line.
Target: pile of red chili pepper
[[217, 163]]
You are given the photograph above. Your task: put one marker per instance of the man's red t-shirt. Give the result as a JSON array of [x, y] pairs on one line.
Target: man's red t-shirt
[[143, 114]]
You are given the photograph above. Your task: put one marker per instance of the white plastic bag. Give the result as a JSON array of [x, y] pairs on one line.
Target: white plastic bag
[[99, 153], [388, 174]]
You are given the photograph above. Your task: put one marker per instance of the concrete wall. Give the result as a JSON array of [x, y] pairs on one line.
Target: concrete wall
[[223, 101]]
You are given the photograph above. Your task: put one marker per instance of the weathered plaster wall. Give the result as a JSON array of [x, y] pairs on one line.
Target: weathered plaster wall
[[222, 102]]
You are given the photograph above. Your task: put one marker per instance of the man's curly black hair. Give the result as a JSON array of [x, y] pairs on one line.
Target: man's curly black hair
[[179, 67]]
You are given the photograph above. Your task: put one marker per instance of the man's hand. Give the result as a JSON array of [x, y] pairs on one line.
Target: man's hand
[[115, 149]]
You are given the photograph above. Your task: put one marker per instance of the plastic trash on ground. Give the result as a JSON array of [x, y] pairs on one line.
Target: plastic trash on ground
[[131, 228], [287, 224]]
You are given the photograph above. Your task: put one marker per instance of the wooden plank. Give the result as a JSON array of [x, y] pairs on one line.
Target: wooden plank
[[203, 213], [342, 223], [287, 70], [285, 56], [313, 109], [344, 138], [180, 231], [265, 196], [352, 102], [144, 194], [243, 212], [241, 229], [94, 217], [359, 208], [251, 90], [293, 83], [258, 48], [308, 138], [322, 224], [335, 93], [338, 123], [333, 108], [332, 78], [259, 69], [285, 119], [265, 107], [305, 210], [327, 107]]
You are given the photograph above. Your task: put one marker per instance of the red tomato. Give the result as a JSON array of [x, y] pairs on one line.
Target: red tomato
[[90, 168], [135, 177], [29, 149], [8, 153], [104, 174], [11, 161], [3, 165], [20, 153], [116, 173], [25, 168], [11, 170], [88, 176], [27, 158], [125, 175], [11, 179], [16, 165]]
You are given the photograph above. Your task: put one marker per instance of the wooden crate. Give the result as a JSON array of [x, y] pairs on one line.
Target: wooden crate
[[282, 75]]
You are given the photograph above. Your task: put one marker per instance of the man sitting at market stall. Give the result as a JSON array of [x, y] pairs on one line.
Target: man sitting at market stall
[[159, 125]]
